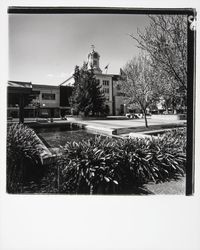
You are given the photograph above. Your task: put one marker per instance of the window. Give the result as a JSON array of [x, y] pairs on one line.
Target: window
[[105, 83], [48, 96], [106, 90]]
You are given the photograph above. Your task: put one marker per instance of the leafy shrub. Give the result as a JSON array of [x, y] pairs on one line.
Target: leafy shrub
[[87, 167], [23, 156], [176, 139], [117, 166]]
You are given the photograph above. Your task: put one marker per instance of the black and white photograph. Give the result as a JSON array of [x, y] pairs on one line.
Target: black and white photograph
[[97, 102], [99, 123]]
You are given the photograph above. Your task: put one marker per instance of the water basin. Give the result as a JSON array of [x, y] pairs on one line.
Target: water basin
[[56, 137]]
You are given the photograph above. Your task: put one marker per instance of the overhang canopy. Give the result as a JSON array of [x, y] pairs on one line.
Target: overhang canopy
[[16, 87]]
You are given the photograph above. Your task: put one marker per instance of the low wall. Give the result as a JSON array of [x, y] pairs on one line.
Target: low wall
[[100, 130], [170, 117], [46, 156], [109, 117]]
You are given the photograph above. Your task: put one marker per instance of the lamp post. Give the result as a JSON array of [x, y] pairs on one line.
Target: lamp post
[[125, 109]]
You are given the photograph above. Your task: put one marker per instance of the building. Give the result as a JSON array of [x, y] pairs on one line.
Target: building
[[65, 93], [109, 84], [119, 104], [32, 100], [18, 97], [47, 101]]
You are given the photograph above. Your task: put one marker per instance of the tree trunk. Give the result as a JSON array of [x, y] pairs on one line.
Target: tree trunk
[[145, 118], [167, 109]]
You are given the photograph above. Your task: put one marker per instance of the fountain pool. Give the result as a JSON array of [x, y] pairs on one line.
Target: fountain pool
[[56, 137]]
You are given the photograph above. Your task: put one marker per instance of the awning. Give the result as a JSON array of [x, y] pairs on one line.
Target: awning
[[16, 87]]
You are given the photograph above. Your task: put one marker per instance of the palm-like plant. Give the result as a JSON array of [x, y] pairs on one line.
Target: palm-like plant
[[117, 166], [23, 156]]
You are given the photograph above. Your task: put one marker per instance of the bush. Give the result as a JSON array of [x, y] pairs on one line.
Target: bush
[[119, 166], [23, 157], [94, 166], [86, 167]]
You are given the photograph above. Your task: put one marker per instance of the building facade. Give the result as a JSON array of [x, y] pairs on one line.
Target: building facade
[[18, 96], [38, 100], [54, 101], [47, 100], [109, 84]]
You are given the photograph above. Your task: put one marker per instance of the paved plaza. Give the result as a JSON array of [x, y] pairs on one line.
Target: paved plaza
[[120, 126], [132, 123]]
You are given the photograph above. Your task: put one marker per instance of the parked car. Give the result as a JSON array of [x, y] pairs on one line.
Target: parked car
[[132, 116], [128, 115], [139, 115], [64, 117]]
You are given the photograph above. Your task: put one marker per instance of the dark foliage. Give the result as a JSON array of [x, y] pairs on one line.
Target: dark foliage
[[95, 166], [117, 166], [87, 96], [23, 157]]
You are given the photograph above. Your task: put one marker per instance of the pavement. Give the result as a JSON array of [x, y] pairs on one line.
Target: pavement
[[173, 187], [117, 126], [127, 123]]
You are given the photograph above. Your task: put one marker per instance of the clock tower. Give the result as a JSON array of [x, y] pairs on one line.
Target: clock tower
[[93, 61]]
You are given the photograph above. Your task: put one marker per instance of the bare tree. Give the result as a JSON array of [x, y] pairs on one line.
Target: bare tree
[[139, 86], [166, 42]]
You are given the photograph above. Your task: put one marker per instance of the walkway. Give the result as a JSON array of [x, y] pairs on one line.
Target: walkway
[[127, 123], [119, 126], [126, 126]]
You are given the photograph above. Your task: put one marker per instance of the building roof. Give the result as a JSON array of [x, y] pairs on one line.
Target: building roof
[[66, 82], [17, 87], [18, 84], [35, 86]]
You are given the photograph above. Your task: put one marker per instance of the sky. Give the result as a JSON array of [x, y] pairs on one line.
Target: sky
[[44, 48]]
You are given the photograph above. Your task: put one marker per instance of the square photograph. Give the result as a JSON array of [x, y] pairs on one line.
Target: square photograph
[[99, 101]]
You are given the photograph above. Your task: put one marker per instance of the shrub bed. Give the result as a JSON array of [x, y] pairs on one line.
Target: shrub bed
[[23, 157], [117, 166], [94, 166]]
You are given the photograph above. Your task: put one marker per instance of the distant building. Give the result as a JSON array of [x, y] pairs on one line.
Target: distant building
[[43, 100], [109, 84], [65, 93], [18, 94], [47, 98], [37, 100]]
